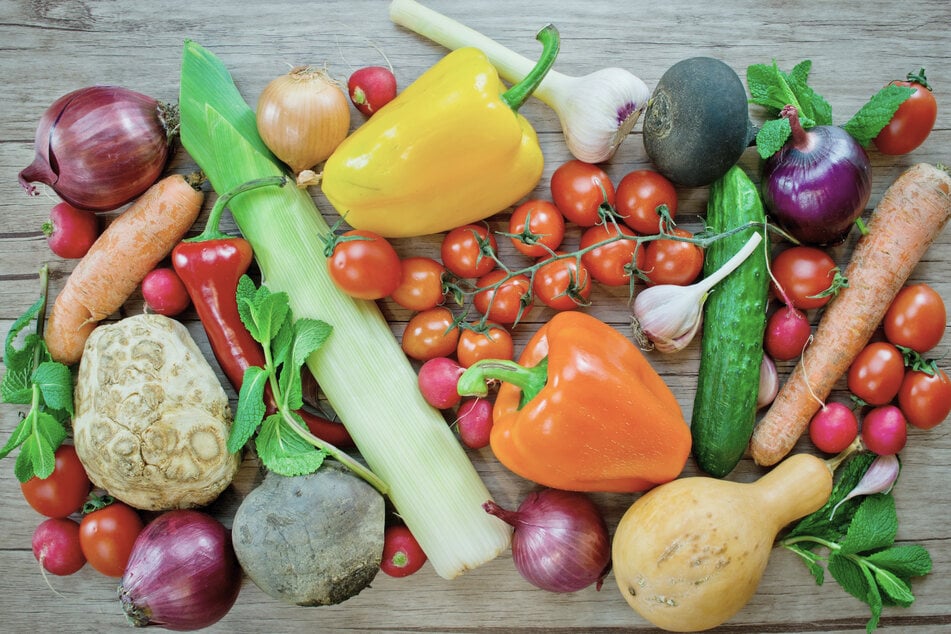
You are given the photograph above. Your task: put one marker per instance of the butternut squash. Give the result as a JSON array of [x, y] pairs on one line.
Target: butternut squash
[[689, 554]]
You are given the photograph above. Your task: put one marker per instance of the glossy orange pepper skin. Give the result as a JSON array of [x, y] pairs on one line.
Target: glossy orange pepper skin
[[604, 421]]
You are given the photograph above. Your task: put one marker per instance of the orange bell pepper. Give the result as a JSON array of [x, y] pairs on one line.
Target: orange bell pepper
[[583, 410]]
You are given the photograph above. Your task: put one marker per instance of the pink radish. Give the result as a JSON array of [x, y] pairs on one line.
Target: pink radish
[[70, 231], [437, 382], [884, 430], [833, 428], [56, 546], [474, 421], [164, 292], [787, 332], [370, 88]]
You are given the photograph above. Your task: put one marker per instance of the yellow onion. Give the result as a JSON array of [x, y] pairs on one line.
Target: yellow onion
[[302, 117]]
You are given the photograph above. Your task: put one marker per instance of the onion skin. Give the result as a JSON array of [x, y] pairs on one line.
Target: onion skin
[[182, 574], [818, 184], [560, 542], [101, 147]]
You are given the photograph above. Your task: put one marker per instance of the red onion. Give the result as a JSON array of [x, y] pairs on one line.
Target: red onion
[[182, 573], [818, 184], [101, 147], [560, 542]]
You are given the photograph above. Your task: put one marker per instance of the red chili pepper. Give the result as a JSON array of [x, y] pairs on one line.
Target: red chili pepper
[[210, 265]]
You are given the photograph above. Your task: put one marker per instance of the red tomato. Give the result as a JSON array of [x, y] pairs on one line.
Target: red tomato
[[611, 264], [916, 318], [65, 491], [805, 274], [562, 284], [505, 303], [430, 333], [106, 537], [421, 284], [912, 122], [465, 251], [876, 373], [639, 194], [673, 261], [579, 189], [364, 265], [545, 228], [492, 342], [925, 399]]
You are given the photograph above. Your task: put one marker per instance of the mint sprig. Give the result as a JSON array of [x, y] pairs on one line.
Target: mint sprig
[[33, 378], [859, 539]]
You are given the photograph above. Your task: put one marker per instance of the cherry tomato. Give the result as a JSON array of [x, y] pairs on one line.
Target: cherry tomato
[[876, 373], [639, 194], [579, 189], [421, 284], [925, 399], [106, 537], [364, 265], [912, 122], [62, 493], [464, 251], [804, 273], [612, 263], [506, 303], [492, 342], [545, 228], [562, 284], [673, 261], [916, 318], [431, 333]]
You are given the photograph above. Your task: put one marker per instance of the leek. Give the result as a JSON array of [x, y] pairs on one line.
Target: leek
[[362, 370]]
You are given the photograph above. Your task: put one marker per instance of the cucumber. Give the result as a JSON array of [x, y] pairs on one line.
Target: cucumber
[[734, 321]]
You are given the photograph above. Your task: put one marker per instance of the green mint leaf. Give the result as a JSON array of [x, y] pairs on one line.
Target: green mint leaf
[[244, 295], [56, 385], [876, 113], [762, 81], [896, 590], [848, 573], [309, 336], [9, 351], [772, 136], [812, 106], [16, 386], [270, 310], [250, 408], [37, 453], [811, 560], [281, 343], [823, 523], [903, 560], [283, 451], [19, 436], [873, 527]]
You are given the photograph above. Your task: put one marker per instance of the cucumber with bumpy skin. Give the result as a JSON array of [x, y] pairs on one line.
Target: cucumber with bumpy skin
[[734, 320]]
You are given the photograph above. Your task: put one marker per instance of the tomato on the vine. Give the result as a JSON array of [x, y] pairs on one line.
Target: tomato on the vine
[[65, 490], [106, 536], [505, 303], [669, 261], [876, 373], [540, 228], [562, 284], [364, 265], [421, 284], [430, 333], [463, 250], [492, 341], [639, 195], [807, 276], [916, 318], [925, 399], [579, 189], [611, 264], [913, 121]]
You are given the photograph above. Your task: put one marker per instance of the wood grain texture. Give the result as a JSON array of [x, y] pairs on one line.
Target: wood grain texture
[[48, 48]]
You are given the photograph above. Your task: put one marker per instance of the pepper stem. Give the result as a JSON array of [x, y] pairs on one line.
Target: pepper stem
[[211, 231], [531, 380], [518, 93]]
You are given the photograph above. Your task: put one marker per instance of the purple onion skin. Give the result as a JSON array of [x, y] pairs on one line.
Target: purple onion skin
[[100, 147], [816, 190], [560, 542], [182, 574]]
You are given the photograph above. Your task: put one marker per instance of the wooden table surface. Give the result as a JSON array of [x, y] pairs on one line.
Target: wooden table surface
[[50, 48]]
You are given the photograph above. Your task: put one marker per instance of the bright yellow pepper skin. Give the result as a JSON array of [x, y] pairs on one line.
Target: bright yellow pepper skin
[[449, 150]]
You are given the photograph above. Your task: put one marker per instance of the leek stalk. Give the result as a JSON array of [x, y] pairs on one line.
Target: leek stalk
[[362, 370]]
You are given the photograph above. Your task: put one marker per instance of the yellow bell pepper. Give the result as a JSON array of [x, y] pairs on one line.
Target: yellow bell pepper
[[449, 150]]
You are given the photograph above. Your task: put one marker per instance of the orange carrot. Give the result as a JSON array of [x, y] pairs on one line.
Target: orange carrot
[[131, 246], [911, 214]]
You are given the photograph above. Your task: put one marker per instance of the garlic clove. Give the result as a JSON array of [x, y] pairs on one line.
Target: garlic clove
[[667, 316]]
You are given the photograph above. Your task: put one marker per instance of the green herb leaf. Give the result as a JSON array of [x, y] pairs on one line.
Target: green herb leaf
[[37, 453], [873, 527], [250, 409], [812, 105], [896, 590], [811, 560], [9, 351], [309, 336], [772, 136], [877, 113], [848, 573], [245, 296], [56, 385], [909, 560], [283, 451], [19, 436]]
